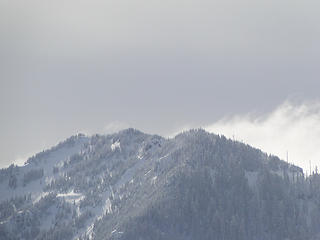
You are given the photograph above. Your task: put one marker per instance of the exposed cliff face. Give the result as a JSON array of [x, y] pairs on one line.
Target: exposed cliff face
[[132, 185]]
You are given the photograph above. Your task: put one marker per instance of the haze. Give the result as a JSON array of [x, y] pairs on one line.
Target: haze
[[159, 66]]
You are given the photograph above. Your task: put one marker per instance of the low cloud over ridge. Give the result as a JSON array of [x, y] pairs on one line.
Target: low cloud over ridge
[[290, 127]]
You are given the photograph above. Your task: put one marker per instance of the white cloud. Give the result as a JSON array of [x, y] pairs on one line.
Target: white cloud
[[178, 130], [20, 160], [290, 127], [115, 126]]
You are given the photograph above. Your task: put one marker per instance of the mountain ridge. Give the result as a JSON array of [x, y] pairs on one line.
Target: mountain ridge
[[112, 187]]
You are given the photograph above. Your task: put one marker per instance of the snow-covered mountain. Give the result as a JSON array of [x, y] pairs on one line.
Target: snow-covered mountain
[[131, 185]]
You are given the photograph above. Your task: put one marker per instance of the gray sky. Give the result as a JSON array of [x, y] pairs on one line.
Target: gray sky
[[95, 66]]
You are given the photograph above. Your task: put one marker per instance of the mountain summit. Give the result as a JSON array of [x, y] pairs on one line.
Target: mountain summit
[[131, 185]]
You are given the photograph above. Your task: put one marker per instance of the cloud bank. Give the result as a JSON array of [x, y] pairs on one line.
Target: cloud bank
[[115, 126], [290, 127]]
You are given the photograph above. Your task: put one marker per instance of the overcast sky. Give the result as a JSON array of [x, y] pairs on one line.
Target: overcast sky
[[97, 66]]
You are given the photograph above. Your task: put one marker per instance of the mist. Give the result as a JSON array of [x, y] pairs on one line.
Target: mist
[[290, 127]]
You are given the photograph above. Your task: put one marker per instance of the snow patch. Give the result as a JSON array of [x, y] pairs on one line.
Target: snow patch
[[108, 206], [71, 197], [140, 153], [115, 145], [89, 231], [154, 179], [116, 231], [147, 172], [164, 157], [41, 195]]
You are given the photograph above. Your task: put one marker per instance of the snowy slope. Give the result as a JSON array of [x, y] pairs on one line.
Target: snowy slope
[[99, 187], [46, 163]]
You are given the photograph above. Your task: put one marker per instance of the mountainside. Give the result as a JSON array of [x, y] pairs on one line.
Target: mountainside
[[132, 185]]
